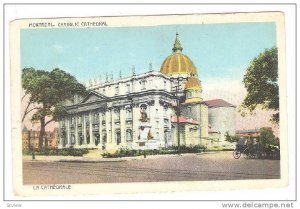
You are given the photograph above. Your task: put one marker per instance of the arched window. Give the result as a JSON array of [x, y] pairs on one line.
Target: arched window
[[118, 136], [128, 135], [143, 111], [72, 139], [104, 137]]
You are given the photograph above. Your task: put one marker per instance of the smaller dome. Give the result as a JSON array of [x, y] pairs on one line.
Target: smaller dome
[[193, 83]]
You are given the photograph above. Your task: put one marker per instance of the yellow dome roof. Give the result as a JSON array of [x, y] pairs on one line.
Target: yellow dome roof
[[178, 63], [193, 83]]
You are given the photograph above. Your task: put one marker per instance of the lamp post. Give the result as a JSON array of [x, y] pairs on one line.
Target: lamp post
[[178, 113], [200, 123], [30, 147]]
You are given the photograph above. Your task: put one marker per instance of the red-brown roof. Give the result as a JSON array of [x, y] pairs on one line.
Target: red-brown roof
[[218, 103], [183, 120]]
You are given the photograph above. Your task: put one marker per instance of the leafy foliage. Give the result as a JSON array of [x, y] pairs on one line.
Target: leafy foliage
[[49, 90], [58, 152], [163, 151], [261, 83], [231, 139], [267, 137]]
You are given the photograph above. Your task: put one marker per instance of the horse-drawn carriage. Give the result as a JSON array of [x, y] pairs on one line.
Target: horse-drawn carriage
[[251, 149]]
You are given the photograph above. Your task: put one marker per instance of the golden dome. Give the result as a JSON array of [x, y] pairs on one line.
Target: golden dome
[[193, 83], [178, 63]]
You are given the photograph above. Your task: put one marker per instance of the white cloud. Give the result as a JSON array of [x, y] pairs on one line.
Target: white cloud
[[231, 90]]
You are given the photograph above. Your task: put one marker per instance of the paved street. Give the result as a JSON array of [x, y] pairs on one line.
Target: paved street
[[188, 167]]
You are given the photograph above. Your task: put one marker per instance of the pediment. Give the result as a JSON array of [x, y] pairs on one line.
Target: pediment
[[93, 97]]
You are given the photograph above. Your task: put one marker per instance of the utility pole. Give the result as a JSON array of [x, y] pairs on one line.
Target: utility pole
[[200, 124], [30, 147], [178, 115]]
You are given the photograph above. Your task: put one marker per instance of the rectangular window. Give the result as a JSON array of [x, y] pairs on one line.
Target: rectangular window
[[156, 113], [165, 112], [157, 135], [128, 88], [143, 84], [128, 113], [117, 90]]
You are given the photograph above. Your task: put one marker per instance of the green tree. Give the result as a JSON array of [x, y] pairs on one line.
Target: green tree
[[231, 139], [48, 90], [261, 83], [267, 137]]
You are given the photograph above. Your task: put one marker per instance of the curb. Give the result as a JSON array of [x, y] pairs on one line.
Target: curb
[[103, 160]]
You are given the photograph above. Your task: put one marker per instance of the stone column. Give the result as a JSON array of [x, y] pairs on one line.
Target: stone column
[[113, 138], [84, 129], [107, 122], [123, 125], [76, 130], [135, 122], [91, 129], [100, 128], [68, 130]]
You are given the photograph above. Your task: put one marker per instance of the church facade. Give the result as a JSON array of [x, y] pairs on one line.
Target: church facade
[[147, 111]]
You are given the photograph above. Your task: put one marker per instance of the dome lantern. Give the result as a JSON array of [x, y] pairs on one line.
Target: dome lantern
[[177, 45]]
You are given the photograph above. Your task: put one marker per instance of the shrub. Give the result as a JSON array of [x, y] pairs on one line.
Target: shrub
[[63, 152], [162, 151]]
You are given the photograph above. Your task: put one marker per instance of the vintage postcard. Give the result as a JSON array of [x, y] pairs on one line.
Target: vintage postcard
[[139, 104]]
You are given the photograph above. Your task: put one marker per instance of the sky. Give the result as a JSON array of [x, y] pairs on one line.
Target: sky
[[220, 52], [217, 50]]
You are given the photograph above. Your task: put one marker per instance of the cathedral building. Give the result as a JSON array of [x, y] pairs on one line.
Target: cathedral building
[[146, 111]]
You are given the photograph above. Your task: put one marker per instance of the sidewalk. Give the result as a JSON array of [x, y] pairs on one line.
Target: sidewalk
[[42, 158]]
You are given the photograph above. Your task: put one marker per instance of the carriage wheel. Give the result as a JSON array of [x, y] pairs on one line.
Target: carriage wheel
[[262, 155], [252, 155], [236, 154], [245, 155]]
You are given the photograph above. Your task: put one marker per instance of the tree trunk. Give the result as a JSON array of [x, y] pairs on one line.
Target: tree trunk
[[42, 133]]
